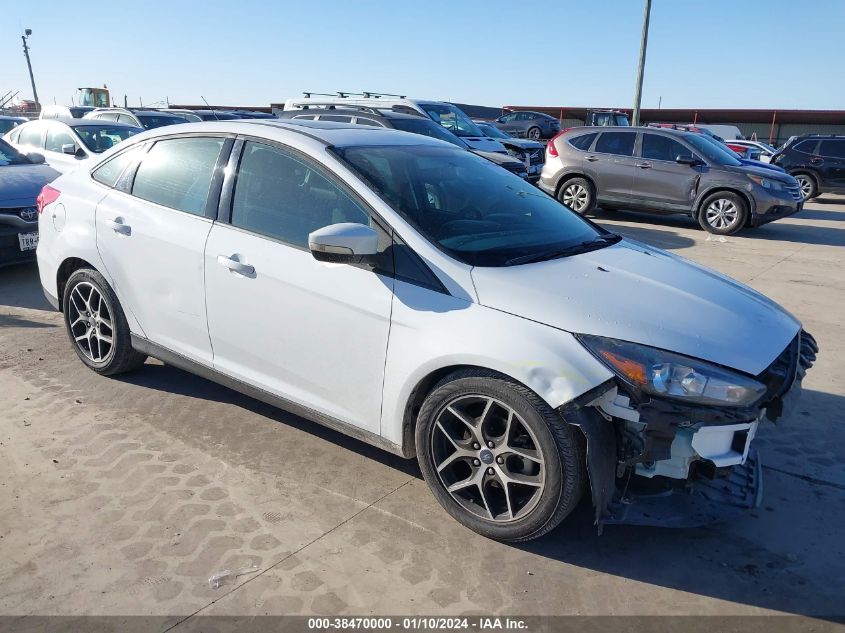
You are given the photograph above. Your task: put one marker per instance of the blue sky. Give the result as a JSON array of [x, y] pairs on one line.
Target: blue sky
[[719, 53]]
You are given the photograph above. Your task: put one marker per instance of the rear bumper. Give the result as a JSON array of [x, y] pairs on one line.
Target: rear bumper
[[53, 301]]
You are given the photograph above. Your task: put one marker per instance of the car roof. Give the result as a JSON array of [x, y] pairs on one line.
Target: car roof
[[6, 117], [327, 133], [87, 122]]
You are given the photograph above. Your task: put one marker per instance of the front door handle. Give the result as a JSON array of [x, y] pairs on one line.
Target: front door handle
[[591, 158], [117, 225], [644, 165], [235, 266]]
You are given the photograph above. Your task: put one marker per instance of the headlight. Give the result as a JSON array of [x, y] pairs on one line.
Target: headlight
[[766, 183], [674, 376]]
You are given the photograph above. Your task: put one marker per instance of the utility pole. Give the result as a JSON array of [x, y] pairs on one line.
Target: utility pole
[[27, 33], [643, 45]]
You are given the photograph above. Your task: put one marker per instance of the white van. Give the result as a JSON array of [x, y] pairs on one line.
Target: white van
[[727, 132]]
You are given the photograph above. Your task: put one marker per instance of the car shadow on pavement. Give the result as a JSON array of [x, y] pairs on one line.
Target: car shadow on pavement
[[798, 233], [172, 380], [20, 287], [9, 320], [821, 214], [744, 561]]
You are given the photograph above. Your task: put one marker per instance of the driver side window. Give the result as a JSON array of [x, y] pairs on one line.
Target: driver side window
[[281, 196]]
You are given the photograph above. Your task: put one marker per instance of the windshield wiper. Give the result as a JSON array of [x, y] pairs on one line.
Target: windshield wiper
[[576, 249]]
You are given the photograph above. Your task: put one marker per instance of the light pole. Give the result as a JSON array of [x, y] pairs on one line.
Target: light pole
[[638, 96], [27, 33]]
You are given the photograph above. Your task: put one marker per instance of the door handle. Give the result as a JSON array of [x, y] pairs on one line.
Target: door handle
[[592, 159], [816, 160], [118, 226], [644, 165], [235, 266]]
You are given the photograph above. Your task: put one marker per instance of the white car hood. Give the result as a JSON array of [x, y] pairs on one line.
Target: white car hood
[[632, 292]]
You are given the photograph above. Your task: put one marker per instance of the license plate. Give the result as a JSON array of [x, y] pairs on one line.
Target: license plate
[[28, 241]]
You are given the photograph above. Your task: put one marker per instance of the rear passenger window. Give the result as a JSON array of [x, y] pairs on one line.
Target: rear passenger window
[[619, 143], [807, 146], [583, 142], [31, 135], [361, 121], [282, 197], [109, 172], [125, 118], [177, 173], [834, 148], [658, 147]]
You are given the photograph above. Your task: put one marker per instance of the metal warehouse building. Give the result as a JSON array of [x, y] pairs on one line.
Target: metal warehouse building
[[771, 126]]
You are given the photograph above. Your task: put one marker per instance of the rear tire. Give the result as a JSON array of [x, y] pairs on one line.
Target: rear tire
[[723, 213], [497, 457], [96, 324], [533, 133], [807, 183], [578, 194]]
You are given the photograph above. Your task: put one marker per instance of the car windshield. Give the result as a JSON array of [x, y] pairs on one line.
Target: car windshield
[[475, 211], [491, 130], [150, 121], [10, 156], [99, 138], [452, 119], [713, 150], [427, 128]]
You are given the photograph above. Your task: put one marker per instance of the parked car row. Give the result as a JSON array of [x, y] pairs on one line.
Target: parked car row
[[412, 294]]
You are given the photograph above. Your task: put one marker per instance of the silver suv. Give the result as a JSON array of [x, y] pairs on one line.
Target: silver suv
[[665, 171]]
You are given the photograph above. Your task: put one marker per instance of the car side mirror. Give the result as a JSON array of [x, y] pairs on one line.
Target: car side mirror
[[344, 243], [69, 148], [688, 159], [36, 158]]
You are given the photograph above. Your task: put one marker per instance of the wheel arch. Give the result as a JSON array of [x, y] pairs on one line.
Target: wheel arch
[[569, 176], [69, 266], [748, 200]]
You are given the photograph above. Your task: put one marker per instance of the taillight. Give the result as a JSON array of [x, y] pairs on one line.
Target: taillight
[[47, 196], [551, 146]]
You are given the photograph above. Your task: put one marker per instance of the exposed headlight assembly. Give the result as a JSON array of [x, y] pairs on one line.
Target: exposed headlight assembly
[[767, 183], [672, 375]]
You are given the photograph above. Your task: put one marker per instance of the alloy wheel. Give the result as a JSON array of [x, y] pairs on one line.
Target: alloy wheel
[[90, 322], [806, 186], [576, 197], [487, 458], [534, 134], [721, 213]]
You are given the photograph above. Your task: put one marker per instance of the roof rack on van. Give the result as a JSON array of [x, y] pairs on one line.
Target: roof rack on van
[[321, 105], [344, 94]]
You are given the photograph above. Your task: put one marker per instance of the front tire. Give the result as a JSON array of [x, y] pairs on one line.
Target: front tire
[[723, 213], [497, 457], [533, 133], [808, 186], [578, 194], [96, 324]]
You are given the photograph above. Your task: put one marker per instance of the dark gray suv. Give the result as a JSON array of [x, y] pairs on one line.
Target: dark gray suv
[[664, 171]]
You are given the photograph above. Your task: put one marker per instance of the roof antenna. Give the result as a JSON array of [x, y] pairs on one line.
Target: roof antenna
[[216, 118]]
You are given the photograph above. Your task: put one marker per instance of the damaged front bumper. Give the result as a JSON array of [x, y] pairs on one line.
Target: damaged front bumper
[[654, 461]]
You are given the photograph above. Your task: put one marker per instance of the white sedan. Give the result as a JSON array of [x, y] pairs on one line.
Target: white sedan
[[68, 144], [413, 295]]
